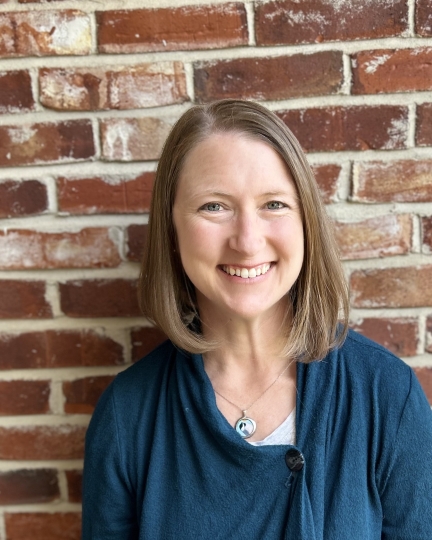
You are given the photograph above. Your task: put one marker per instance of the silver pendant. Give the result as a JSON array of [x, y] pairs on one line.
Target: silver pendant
[[245, 426]]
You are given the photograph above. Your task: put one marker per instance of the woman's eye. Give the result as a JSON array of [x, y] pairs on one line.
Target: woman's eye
[[275, 205], [212, 207]]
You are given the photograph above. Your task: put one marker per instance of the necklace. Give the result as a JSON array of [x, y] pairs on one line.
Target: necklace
[[245, 425]]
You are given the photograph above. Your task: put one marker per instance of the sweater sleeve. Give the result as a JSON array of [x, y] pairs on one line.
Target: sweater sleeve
[[407, 495], [108, 501]]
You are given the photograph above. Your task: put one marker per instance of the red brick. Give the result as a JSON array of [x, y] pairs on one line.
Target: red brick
[[56, 526], [171, 29], [49, 142], [392, 287], [27, 486], [39, 33], [389, 71], [42, 442], [23, 300], [131, 87], [291, 21], [424, 375], [15, 92], [291, 76], [327, 177], [88, 248], [395, 181], [103, 194], [136, 238], [133, 139], [399, 335], [144, 340], [83, 394], [349, 128], [429, 334], [423, 17], [58, 349], [424, 125], [99, 298], [426, 227], [24, 397], [74, 483], [376, 237], [19, 199]]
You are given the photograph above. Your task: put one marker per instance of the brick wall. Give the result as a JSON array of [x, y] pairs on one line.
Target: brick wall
[[88, 93]]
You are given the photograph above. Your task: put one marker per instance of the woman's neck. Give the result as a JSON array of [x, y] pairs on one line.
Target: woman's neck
[[249, 345]]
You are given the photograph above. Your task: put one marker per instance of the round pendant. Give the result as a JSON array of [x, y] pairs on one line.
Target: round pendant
[[245, 427]]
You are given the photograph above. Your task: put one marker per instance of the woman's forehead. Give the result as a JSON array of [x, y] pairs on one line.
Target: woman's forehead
[[230, 162]]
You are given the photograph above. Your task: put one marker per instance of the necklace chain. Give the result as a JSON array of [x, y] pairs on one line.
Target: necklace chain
[[259, 397]]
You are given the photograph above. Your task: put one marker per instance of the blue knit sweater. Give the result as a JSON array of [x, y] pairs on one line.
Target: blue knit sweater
[[163, 463]]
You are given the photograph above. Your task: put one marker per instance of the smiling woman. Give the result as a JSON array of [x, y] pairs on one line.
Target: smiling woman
[[261, 417], [216, 155]]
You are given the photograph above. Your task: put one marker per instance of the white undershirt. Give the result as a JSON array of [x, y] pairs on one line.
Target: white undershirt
[[284, 434]]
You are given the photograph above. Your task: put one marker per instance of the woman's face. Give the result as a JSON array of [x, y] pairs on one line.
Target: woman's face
[[239, 226]]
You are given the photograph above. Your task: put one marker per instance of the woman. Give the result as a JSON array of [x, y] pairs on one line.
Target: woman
[[261, 418]]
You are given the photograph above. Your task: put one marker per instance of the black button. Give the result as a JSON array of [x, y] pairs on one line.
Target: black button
[[294, 460]]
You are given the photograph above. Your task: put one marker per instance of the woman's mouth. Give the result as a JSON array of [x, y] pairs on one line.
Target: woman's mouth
[[246, 273]]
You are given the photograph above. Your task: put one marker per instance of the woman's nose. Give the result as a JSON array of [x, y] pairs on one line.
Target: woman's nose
[[247, 236]]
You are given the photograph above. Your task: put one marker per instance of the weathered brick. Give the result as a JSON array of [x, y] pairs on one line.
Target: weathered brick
[[27, 486], [291, 76], [25, 198], [290, 21], [182, 28], [349, 128], [99, 298], [388, 71], [144, 340], [105, 194], [15, 92], [426, 228], [327, 177], [43, 526], [424, 125], [49, 142], [399, 335], [23, 300], [39, 33], [395, 181], [429, 334], [42, 442], [131, 87], [424, 375], [133, 139], [24, 397], [423, 17], [88, 248], [82, 394], [376, 237], [74, 483], [136, 238], [58, 348], [392, 287]]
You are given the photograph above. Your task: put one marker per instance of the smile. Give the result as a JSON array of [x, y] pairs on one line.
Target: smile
[[246, 273]]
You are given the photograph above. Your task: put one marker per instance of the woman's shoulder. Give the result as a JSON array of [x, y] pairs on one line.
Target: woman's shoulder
[[140, 383], [361, 353]]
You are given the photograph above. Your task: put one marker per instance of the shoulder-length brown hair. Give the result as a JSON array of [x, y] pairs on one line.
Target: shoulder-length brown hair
[[319, 297]]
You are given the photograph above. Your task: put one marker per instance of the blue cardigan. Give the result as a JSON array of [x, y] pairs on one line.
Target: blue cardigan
[[163, 463]]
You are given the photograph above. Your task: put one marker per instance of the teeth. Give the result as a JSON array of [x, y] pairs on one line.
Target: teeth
[[245, 273]]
